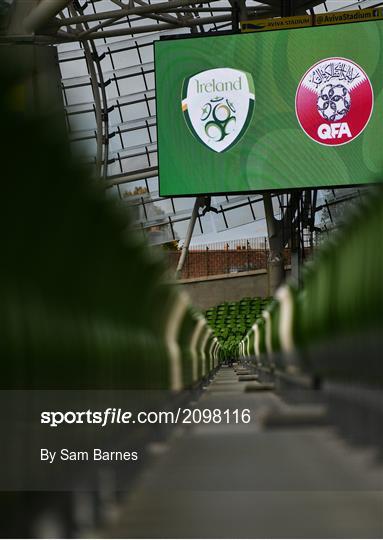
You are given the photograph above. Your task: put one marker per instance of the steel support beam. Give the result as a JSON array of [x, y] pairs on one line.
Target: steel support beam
[[169, 19], [150, 172], [124, 31], [43, 13], [185, 248], [97, 32], [141, 10], [163, 18]]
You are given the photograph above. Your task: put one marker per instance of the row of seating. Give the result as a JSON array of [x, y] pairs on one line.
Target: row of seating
[[330, 327], [231, 321], [84, 301], [84, 306]]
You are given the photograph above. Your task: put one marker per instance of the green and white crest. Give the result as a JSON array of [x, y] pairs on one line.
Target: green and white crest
[[218, 105]]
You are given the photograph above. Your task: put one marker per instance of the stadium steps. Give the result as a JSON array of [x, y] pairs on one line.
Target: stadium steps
[[249, 481]]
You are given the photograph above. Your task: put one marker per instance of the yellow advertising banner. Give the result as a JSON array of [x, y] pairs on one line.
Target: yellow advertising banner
[[358, 15], [277, 23], [300, 21]]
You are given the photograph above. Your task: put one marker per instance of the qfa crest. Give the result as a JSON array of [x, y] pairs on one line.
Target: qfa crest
[[334, 101], [218, 105]]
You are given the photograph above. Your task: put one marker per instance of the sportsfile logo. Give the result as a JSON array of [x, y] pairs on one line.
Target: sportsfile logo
[[334, 101], [218, 105]]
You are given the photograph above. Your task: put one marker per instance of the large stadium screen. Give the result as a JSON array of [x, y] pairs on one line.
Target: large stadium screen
[[272, 110]]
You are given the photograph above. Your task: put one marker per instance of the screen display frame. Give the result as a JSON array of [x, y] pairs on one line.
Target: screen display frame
[[239, 34]]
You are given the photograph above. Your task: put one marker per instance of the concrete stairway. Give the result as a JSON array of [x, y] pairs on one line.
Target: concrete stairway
[[286, 474]]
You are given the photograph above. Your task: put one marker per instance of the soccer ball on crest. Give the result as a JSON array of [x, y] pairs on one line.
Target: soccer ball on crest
[[334, 102], [218, 117]]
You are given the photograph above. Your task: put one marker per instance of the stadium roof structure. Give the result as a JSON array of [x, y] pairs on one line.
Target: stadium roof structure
[[105, 50]]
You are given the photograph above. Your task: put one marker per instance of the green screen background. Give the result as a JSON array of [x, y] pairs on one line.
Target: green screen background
[[274, 153]]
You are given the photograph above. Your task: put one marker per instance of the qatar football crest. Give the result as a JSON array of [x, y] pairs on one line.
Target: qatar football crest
[[218, 106], [334, 101]]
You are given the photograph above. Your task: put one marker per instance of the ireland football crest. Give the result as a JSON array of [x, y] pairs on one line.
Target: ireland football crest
[[218, 105]]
